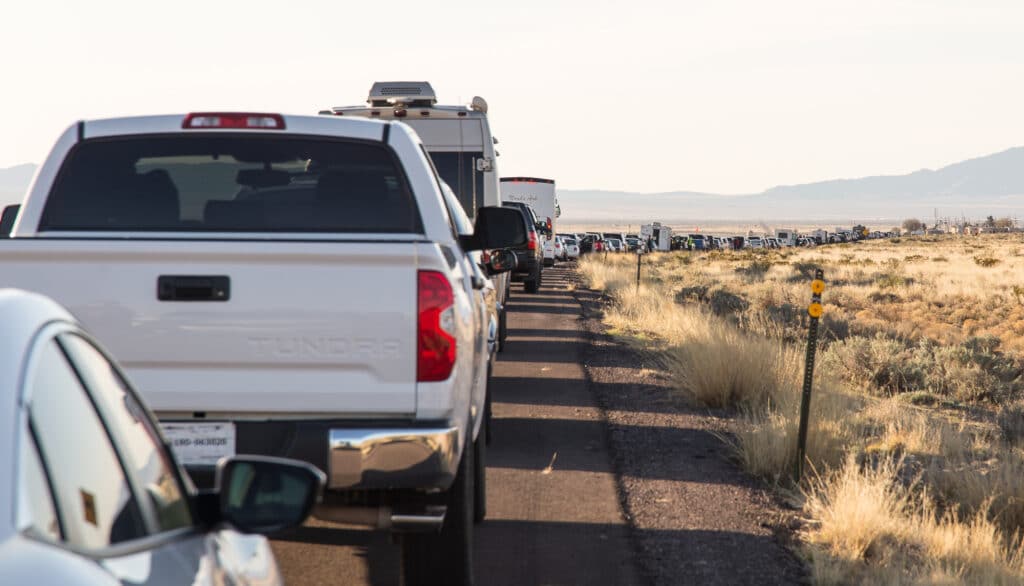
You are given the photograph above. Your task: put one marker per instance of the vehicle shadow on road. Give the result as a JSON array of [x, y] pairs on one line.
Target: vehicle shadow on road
[[540, 351], [536, 333], [549, 392], [567, 308], [545, 544], [380, 556], [533, 435]]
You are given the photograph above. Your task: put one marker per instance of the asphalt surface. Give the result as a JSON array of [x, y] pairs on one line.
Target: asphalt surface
[[554, 514]]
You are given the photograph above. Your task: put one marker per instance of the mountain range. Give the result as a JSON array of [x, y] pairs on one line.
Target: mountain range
[[988, 185]]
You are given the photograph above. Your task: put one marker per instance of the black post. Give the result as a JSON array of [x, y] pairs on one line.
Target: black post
[[815, 311]]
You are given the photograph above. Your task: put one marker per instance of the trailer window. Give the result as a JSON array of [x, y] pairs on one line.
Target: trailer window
[[231, 183]]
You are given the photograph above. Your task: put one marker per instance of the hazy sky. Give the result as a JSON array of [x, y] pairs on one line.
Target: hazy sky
[[722, 96]]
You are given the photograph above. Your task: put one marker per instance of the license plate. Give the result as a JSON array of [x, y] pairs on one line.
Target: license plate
[[200, 443]]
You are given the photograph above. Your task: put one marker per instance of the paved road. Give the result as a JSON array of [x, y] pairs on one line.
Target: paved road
[[553, 511]]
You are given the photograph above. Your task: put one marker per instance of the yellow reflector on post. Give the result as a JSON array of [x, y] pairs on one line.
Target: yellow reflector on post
[[817, 286], [815, 310]]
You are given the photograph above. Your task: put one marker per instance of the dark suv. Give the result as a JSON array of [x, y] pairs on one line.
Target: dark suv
[[529, 258], [591, 242]]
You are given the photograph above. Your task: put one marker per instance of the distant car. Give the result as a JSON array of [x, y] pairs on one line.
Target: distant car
[[563, 253], [572, 249], [592, 242], [616, 235], [698, 242], [615, 245], [98, 495], [586, 244], [559, 249], [632, 244], [550, 250], [755, 242]]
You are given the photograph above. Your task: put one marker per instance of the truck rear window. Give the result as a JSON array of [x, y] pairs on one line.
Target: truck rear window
[[231, 183]]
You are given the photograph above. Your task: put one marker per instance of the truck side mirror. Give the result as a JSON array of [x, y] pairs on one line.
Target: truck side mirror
[[498, 227], [501, 261]]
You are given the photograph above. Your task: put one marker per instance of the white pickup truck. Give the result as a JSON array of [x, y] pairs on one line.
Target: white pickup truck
[[290, 286]]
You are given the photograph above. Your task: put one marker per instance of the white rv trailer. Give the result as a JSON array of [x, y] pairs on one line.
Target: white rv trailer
[[786, 236], [457, 137], [540, 195], [662, 235]]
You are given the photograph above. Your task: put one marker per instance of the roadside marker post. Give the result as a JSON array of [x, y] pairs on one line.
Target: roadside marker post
[[814, 310]]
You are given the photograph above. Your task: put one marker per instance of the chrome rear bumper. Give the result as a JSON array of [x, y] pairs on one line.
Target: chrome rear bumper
[[392, 458]]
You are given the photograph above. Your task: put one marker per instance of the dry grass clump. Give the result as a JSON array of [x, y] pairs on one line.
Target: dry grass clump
[[722, 366], [766, 440], [869, 528], [921, 476], [1010, 420]]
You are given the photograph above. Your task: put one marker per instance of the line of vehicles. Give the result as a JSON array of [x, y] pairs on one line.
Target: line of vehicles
[[655, 237], [310, 305]]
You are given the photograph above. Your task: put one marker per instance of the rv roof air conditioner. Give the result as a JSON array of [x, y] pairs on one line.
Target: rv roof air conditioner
[[411, 94]]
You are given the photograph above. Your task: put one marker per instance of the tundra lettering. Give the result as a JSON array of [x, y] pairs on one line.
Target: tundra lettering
[[303, 347]]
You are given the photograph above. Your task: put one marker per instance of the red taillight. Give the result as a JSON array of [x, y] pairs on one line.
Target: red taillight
[[532, 244], [435, 342], [233, 120]]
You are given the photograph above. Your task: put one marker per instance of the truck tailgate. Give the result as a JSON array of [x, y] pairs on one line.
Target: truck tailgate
[[321, 327]]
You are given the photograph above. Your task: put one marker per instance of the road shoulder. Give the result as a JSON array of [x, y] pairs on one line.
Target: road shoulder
[[695, 517]]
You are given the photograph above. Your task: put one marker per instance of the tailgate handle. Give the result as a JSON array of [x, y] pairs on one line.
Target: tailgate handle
[[193, 288]]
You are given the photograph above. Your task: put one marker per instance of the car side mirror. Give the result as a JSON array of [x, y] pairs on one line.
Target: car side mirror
[[498, 227], [7, 219], [501, 261], [260, 494]]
